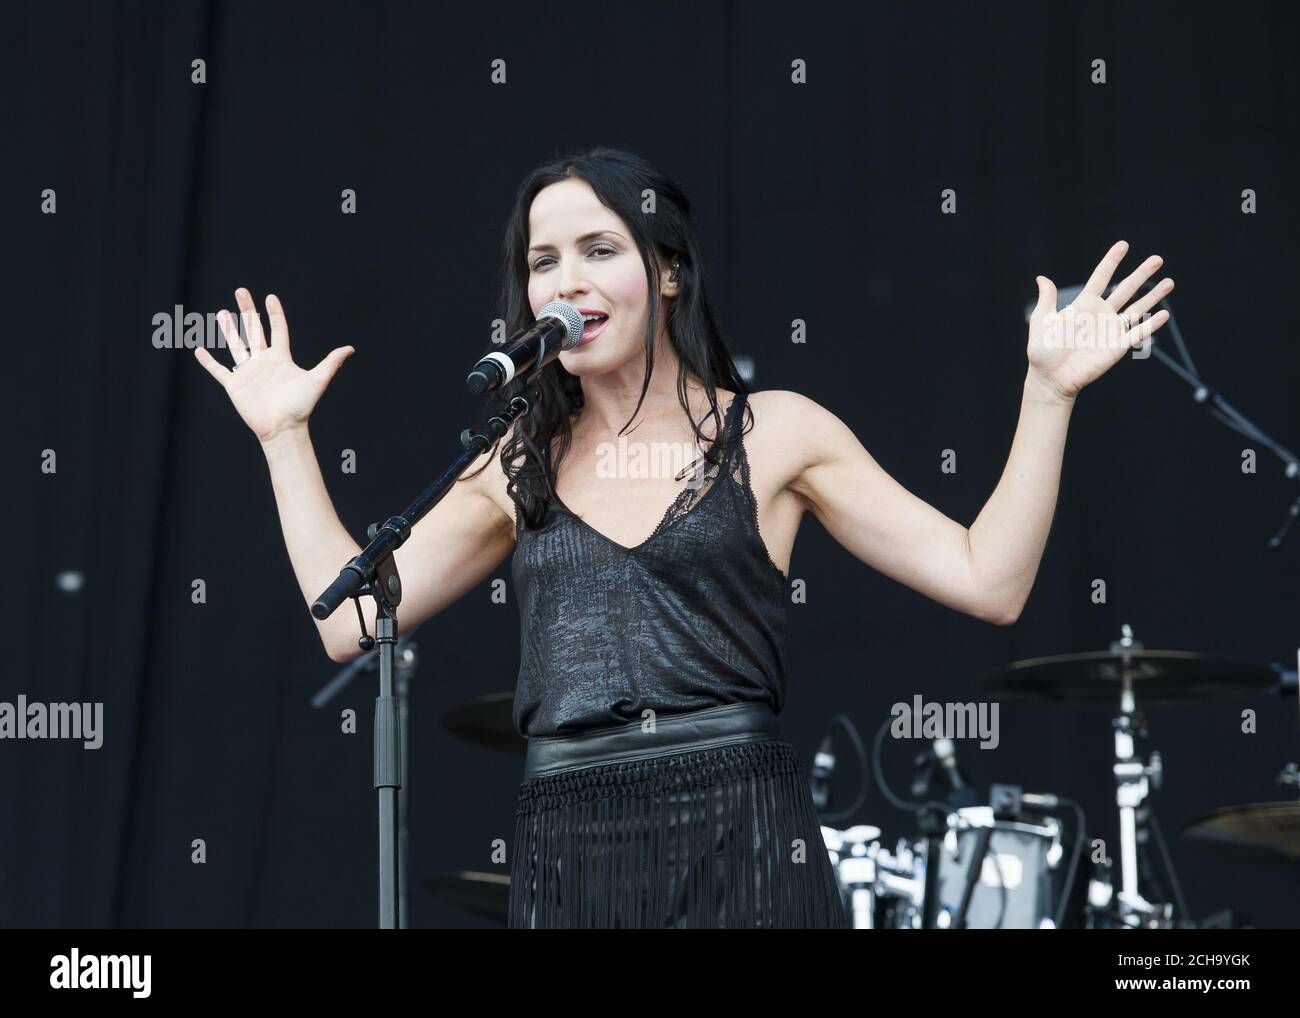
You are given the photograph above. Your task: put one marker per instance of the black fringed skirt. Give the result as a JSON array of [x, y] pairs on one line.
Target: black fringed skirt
[[703, 820]]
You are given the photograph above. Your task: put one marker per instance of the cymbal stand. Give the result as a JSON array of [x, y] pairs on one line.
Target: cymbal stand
[[1134, 780]]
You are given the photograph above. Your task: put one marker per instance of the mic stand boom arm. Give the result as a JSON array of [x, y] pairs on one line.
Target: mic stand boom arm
[[374, 572], [1229, 415]]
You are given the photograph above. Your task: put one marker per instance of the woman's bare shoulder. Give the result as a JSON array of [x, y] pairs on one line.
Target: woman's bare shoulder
[[785, 404], [788, 428], [792, 412]]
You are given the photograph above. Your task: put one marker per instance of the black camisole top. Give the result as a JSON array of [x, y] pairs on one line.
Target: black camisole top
[[693, 617]]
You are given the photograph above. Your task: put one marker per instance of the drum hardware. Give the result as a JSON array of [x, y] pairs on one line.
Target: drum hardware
[[901, 884], [1162, 677], [853, 860], [484, 894], [1123, 673], [975, 870], [1011, 859], [1016, 855], [933, 883], [1101, 890], [934, 822], [983, 866], [931, 822], [1010, 802], [883, 889], [1257, 831], [1134, 781]]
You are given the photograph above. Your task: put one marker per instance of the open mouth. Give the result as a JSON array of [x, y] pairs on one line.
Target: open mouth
[[592, 327]]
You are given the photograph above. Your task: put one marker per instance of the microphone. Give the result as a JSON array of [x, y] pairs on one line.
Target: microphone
[[945, 751], [558, 327], [822, 771], [1011, 802]]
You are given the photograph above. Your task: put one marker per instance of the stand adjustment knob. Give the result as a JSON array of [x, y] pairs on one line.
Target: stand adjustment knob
[[1155, 770]]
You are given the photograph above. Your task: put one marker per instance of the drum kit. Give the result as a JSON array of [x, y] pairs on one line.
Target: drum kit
[[1013, 863], [1004, 865]]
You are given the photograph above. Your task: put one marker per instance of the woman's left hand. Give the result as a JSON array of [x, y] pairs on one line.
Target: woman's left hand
[[1081, 342]]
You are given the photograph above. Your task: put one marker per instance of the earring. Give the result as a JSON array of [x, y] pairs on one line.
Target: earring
[[672, 276]]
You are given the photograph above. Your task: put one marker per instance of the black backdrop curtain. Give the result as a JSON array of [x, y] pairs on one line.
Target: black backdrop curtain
[[818, 201]]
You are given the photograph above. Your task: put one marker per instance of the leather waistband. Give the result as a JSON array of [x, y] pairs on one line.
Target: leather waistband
[[675, 733]]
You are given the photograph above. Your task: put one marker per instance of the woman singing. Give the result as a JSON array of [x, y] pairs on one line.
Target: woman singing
[[658, 791]]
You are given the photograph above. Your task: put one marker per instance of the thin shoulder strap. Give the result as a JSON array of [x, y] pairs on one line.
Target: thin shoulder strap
[[738, 407], [724, 443], [735, 423]]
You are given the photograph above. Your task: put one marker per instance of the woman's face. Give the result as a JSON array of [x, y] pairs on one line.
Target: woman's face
[[582, 253]]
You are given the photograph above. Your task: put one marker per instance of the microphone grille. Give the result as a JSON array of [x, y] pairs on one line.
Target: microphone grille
[[570, 316]]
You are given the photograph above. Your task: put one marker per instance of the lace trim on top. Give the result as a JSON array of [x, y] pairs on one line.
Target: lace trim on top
[[704, 474], [741, 474]]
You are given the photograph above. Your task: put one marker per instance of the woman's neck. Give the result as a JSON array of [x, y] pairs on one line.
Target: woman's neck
[[610, 400]]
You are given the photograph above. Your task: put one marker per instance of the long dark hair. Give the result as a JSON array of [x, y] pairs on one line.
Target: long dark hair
[[623, 182]]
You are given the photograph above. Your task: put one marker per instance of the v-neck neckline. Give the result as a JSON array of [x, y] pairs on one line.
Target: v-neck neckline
[[660, 529]]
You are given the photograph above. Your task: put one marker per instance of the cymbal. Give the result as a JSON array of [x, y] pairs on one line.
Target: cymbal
[[487, 721], [1256, 830], [1093, 678], [484, 894]]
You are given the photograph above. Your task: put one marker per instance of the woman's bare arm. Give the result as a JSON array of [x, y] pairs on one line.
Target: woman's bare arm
[[458, 542], [986, 570]]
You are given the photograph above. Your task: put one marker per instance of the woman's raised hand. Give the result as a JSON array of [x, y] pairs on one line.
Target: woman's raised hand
[[1072, 347], [269, 390]]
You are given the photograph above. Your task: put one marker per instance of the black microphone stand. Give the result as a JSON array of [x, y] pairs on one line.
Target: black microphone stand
[[1208, 397], [1228, 414], [406, 657], [373, 572], [932, 822]]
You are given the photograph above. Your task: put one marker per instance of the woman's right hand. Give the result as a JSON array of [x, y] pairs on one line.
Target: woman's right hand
[[269, 390]]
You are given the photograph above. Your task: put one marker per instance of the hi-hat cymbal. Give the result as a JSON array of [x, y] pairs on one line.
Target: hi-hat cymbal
[[487, 721], [485, 894], [1095, 678], [1256, 830]]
